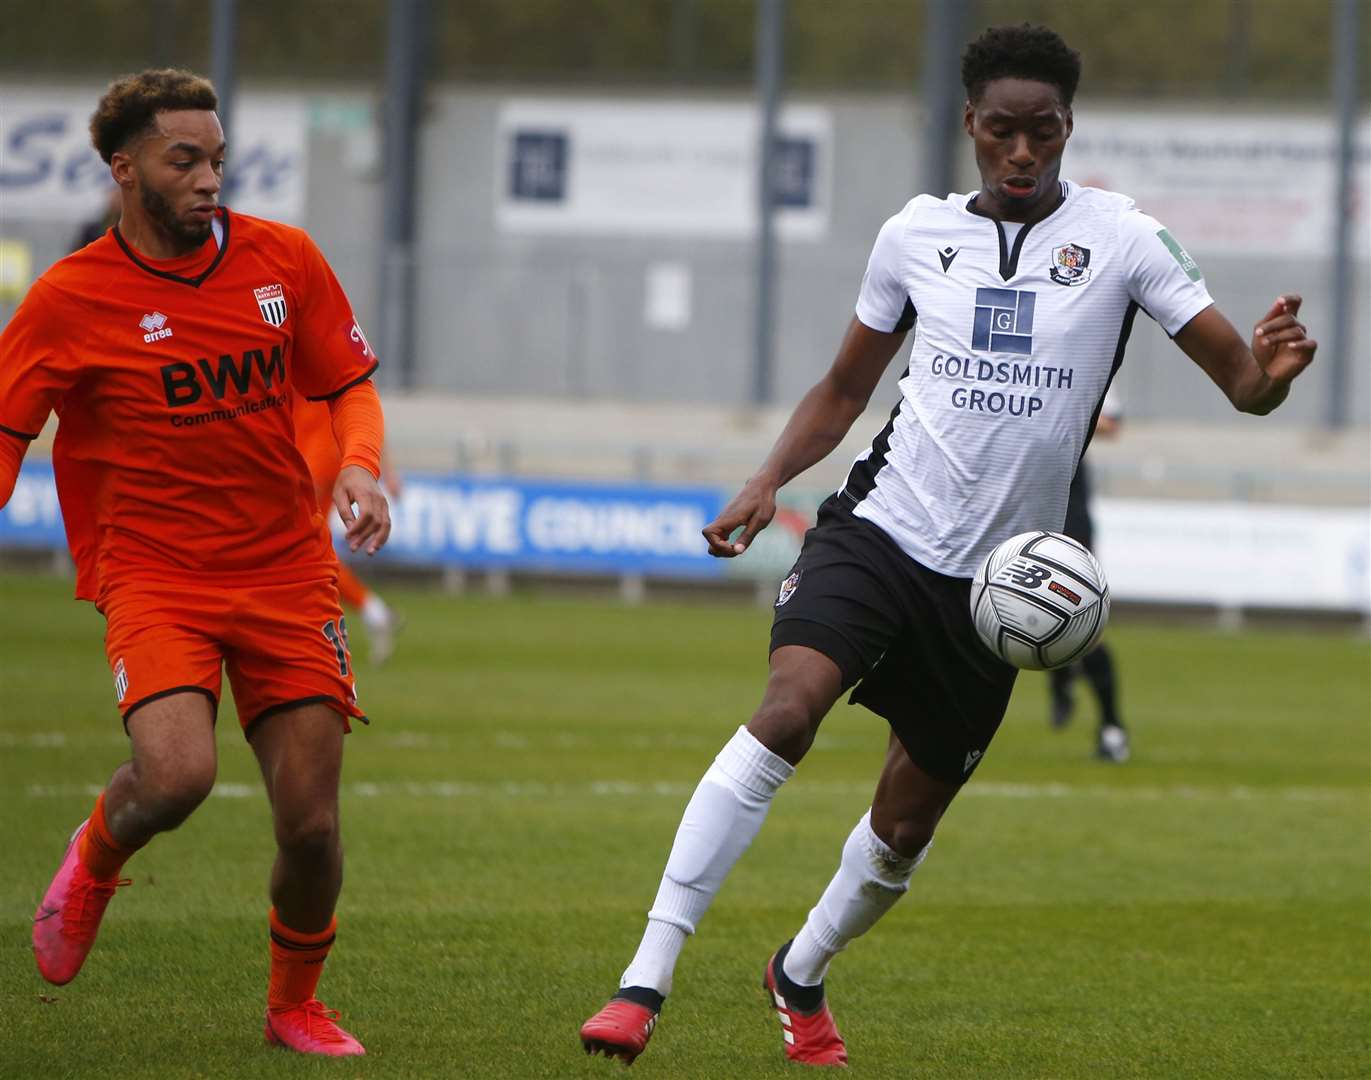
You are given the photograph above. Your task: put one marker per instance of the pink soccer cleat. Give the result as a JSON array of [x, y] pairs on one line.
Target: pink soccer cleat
[[311, 1028], [621, 1029], [66, 922], [811, 1037]]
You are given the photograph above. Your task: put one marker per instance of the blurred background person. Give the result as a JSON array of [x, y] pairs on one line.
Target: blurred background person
[[1112, 742]]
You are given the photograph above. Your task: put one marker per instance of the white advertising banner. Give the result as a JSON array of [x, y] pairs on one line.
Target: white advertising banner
[[632, 168], [49, 171], [1226, 183], [1235, 554]]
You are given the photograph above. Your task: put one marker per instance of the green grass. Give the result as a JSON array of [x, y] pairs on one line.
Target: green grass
[[1204, 911]]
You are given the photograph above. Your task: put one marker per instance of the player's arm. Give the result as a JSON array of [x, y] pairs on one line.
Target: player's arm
[[818, 424], [35, 371], [1256, 379], [359, 429]]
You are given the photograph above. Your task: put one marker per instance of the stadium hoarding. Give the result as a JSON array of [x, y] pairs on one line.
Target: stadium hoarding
[[1166, 551], [537, 526], [50, 172]]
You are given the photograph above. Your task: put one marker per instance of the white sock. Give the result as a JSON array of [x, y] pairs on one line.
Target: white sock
[[721, 819], [375, 612], [870, 878]]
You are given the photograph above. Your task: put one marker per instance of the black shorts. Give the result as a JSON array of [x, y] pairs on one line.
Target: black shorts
[[902, 635]]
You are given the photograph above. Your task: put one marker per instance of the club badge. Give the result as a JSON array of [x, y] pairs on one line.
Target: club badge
[[1070, 265], [788, 587], [271, 299]]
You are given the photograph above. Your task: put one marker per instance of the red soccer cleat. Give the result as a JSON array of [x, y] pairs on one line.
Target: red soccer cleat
[[621, 1029], [811, 1038], [311, 1028], [65, 924]]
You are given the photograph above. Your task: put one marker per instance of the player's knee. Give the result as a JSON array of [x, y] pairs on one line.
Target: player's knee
[[910, 837], [786, 722], [171, 799], [311, 835]]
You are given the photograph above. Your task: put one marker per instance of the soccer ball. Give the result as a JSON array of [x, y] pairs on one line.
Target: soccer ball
[[1040, 601]]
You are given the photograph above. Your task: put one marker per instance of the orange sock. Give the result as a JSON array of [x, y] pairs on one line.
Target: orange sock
[[101, 854], [351, 589], [297, 961]]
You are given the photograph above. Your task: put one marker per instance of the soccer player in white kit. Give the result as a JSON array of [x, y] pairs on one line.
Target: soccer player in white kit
[[1021, 296]]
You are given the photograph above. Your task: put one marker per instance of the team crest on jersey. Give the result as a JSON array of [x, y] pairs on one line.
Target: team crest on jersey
[[788, 587], [121, 681], [1070, 265], [271, 299]]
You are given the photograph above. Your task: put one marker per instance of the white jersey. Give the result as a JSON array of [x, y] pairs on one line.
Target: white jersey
[[1015, 344]]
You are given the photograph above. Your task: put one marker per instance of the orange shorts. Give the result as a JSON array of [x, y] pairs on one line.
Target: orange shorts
[[283, 645]]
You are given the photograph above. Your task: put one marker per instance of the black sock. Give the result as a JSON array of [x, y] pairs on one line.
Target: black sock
[[804, 999], [1099, 669], [641, 995]]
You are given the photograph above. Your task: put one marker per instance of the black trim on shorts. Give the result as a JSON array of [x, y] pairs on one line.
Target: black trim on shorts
[[19, 434], [861, 481], [316, 699], [194, 282], [344, 389], [214, 701], [822, 638]]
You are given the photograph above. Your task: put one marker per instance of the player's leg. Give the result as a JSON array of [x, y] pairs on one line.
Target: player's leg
[[721, 820], [170, 773], [1113, 736], [291, 673], [880, 856], [944, 695], [840, 581]]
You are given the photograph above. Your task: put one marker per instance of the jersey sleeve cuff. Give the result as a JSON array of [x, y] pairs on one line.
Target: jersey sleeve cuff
[[1185, 314], [870, 318], [346, 386]]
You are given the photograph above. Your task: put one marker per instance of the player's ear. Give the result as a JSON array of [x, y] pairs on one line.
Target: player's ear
[[969, 117], [1070, 123], [121, 168]]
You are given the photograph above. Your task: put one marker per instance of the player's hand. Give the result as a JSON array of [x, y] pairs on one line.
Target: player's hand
[[1280, 344], [752, 509], [363, 508]]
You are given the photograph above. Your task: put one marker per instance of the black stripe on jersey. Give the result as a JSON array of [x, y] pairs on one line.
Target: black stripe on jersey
[[1124, 330], [194, 282], [344, 389], [862, 479], [19, 434], [906, 320]]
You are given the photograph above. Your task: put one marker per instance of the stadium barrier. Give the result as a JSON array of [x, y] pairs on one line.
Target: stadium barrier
[[1226, 554]]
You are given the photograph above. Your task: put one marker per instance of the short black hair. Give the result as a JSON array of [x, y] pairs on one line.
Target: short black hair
[[1021, 52], [132, 102]]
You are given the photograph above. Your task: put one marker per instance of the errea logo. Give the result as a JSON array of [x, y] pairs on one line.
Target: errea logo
[[155, 326]]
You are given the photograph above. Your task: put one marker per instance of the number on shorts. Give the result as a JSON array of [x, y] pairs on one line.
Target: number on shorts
[[337, 634]]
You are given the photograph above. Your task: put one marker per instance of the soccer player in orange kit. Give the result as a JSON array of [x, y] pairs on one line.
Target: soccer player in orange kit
[[315, 439], [169, 349]]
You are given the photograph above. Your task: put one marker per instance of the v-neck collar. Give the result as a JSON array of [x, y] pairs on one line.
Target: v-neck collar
[[220, 234], [1009, 255]]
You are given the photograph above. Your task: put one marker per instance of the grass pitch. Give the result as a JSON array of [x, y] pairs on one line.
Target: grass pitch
[[1204, 911]]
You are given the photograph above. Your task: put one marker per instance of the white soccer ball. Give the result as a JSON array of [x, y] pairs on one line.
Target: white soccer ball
[[1040, 600]]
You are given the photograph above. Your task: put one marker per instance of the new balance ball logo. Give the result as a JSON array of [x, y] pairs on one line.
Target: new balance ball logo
[[1025, 574], [1004, 321]]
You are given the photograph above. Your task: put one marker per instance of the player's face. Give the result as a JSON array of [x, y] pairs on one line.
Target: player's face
[[179, 170], [1020, 128]]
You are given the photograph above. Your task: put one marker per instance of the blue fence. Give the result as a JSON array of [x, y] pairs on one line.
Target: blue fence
[[486, 524]]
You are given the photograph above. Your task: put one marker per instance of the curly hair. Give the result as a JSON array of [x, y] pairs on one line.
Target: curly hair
[[1021, 52], [132, 102]]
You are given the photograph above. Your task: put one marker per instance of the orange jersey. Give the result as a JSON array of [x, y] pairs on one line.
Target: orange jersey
[[175, 454]]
